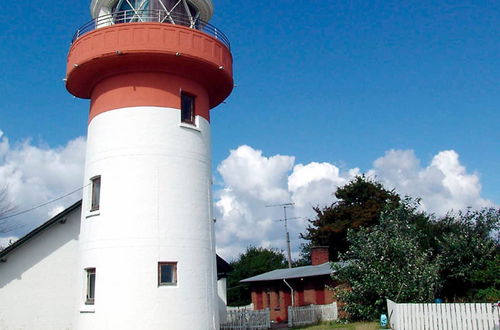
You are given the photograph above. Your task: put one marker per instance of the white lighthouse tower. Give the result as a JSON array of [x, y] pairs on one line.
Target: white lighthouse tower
[[152, 69]]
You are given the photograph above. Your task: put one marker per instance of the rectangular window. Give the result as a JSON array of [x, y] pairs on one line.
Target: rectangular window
[[96, 193], [187, 108], [90, 286], [167, 273]]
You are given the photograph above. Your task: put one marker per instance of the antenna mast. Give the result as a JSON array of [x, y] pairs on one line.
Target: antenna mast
[[285, 206]]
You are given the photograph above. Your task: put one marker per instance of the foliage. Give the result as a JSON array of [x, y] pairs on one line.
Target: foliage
[[254, 261], [486, 281], [468, 246], [387, 261], [304, 256], [412, 257], [395, 251], [359, 204]]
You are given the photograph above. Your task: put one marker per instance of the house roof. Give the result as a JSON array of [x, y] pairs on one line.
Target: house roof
[[59, 218], [298, 272], [223, 267]]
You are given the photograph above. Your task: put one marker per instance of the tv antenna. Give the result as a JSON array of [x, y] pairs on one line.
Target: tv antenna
[[285, 220]]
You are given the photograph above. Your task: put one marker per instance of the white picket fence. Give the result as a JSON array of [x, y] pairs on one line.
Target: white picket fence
[[443, 316], [299, 316], [245, 319], [239, 308]]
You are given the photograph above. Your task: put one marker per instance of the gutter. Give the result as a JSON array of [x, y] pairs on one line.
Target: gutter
[[291, 289]]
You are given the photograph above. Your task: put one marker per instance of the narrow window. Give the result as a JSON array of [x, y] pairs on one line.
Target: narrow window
[[167, 273], [187, 108], [96, 193], [90, 286]]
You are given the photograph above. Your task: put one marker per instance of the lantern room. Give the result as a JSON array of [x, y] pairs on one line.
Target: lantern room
[[183, 12]]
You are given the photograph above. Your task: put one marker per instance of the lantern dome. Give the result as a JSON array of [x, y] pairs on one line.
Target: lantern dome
[[193, 9]]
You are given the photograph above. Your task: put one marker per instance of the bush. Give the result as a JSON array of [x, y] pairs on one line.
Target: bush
[[386, 261]]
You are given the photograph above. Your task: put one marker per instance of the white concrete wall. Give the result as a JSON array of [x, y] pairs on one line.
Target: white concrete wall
[[222, 293], [155, 206], [37, 283]]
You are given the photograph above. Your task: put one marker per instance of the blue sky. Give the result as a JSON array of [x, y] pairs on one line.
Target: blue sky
[[343, 81], [339, 82]]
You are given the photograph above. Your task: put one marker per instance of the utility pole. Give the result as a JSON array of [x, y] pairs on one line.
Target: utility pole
[[285, 206]]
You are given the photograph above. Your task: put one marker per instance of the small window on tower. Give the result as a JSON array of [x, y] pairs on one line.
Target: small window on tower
[[96, 193], [167, 273], [90, 286], [187, 108]]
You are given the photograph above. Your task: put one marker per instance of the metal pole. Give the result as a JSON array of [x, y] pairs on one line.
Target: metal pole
[[289, 254], [287, 239]]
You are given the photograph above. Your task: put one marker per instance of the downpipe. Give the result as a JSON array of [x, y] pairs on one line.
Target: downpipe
[[291, 289]]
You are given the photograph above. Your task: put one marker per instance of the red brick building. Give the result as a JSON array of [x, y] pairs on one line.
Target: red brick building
[[300, 286]]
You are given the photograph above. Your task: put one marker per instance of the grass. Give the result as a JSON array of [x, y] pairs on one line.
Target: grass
[[343, 326]]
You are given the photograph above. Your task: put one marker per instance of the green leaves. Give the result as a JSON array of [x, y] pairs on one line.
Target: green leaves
[[411, 257], [386, 261], [359, 204], [469, 248]]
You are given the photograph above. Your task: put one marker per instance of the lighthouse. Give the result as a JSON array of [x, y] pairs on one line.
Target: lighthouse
[[152, 70]]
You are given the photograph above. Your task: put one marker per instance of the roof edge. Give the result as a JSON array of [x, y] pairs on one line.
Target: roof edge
[[252, 279]]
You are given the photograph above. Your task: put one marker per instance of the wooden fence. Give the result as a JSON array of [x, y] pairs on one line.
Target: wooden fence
[[443, 316], [299, 316], [245, 319]]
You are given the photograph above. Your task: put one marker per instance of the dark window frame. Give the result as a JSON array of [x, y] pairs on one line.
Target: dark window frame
[[95, 195], [173, 264], [188, 111], [90, 287]]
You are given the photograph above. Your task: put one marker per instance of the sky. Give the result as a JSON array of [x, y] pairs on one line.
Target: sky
[[407, 92]]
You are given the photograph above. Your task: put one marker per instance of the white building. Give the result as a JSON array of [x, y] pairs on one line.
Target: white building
[[38, 276]]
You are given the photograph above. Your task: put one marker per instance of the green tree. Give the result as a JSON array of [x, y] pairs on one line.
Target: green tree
[[386, 261], [468, 246], [254, 261], [359, 204], [486, 282]]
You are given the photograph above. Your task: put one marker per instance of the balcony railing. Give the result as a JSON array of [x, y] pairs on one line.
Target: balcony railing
[[159, 16]]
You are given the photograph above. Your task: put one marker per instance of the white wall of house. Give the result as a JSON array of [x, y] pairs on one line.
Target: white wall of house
[[38, 279], [222, 293]]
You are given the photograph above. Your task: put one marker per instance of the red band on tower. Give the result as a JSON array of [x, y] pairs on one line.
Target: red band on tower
[[110, 65]]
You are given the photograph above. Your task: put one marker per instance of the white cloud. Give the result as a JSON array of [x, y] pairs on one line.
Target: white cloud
[[56, 210], [250, 181], [314, 184], [35, 174], [247, 171], [6, 241], [443, 185]]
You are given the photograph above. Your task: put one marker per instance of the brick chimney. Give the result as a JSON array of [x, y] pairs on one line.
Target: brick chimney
[[319, 255]]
